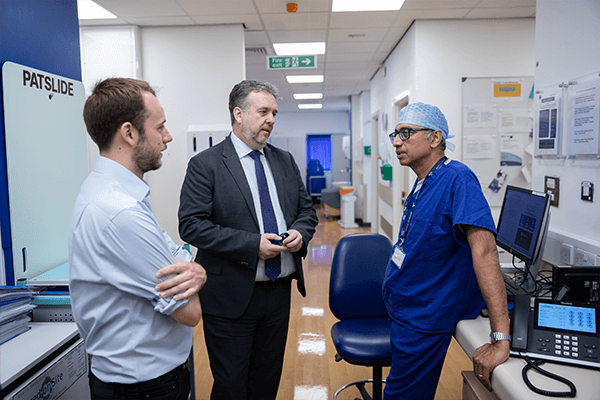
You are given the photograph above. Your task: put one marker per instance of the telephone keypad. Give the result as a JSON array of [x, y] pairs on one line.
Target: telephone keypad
[[567, 346]]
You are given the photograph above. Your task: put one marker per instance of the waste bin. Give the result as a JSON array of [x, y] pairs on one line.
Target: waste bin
[[347, 211], [330, 199]]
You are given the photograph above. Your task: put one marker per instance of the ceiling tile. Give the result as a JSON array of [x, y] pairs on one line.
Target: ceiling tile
[[345, 35], [304, 6], [351, 47], [506, 3], [297, 21], [357, 20], [514, 12], [220, 7], [147, 8], [161, 21], [298, 36], [250, 21], [349, 57], [436, 14], [355, 65], [437, 4]]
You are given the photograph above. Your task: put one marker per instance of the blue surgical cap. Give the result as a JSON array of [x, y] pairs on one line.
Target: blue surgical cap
[[427, 116]]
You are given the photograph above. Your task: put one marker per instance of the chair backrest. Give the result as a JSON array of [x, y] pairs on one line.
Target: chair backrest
[[357, 273]]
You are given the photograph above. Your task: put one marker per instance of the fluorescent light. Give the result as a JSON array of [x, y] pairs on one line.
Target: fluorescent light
[[304, 78], [362, 5], [298, 49], [308, 96], [87, 9], [310, 106]]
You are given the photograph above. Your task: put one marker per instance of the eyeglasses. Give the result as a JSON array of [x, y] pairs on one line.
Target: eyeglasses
[[405, 133]]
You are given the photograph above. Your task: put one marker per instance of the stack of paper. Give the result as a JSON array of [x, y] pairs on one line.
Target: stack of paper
[[15, 305]]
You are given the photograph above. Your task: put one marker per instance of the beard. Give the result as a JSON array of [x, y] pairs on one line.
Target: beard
[[256, 140], [146, 158]]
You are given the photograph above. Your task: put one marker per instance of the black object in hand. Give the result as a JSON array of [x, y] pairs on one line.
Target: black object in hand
[[280, 242]]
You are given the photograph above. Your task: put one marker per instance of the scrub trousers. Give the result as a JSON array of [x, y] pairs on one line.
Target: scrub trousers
[[417, 361]]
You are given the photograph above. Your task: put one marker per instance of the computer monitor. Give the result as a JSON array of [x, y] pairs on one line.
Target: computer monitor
[[522, 229]]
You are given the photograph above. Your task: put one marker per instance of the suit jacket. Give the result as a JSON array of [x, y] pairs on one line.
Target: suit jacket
[[217, 215]]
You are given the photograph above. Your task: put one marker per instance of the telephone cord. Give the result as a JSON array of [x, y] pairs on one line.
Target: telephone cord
[[535, 365]]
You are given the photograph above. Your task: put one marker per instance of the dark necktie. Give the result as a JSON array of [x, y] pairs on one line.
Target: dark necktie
[[272, 265]]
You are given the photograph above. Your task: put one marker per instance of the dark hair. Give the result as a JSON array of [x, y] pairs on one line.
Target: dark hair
[[113, 102], [239, 94]]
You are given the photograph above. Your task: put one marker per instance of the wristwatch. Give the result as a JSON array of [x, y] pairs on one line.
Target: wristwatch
[[495, 336]]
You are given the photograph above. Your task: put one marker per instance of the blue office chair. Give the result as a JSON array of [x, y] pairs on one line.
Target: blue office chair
[[362, 336]]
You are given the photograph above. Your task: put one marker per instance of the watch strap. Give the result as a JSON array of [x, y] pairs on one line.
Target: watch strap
[[496, 336]]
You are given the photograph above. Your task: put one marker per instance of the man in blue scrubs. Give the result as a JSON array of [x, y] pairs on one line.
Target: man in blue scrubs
[[444, 267]]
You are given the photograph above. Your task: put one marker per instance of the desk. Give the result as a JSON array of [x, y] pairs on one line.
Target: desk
[[507, 381], [47, 349]]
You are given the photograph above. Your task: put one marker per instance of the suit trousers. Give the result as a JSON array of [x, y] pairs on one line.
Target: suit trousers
[[246, 354]]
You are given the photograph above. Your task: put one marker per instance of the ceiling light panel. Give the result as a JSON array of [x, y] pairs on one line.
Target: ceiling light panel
[[362, 5], [295, 49], [308, 96], [310, 106], [87, 9], [304, 78]]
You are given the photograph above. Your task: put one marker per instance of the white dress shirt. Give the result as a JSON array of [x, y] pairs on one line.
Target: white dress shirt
[[115, 248], [287, 261]]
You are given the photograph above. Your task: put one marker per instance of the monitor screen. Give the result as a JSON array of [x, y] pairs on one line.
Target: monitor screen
[[523, 223], [554, 315]]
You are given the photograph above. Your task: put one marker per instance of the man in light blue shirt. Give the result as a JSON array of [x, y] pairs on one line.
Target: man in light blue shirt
[[139, 338]]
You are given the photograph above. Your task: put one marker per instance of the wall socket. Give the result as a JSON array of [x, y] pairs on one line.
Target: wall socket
[[584, 258], [567, 256]]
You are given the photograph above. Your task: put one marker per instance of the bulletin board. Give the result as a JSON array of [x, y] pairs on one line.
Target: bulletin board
[[46, 157], [497, 132]]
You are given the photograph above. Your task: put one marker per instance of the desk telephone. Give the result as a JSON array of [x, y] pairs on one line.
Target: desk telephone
[[565, 332]]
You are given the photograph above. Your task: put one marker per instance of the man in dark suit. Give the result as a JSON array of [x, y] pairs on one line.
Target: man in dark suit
[[237, 198]]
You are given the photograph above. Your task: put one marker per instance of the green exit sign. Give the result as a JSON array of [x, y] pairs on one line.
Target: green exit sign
[[291, 62]]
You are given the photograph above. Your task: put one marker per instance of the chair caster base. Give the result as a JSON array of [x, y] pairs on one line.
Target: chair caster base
[[360, 385]]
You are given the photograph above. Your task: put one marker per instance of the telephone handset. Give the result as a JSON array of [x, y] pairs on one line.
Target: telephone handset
[[556, 331]]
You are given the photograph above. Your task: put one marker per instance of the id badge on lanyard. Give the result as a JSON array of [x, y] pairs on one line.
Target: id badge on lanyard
[[398, 256]]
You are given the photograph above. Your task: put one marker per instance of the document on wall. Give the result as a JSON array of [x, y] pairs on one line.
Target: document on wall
[[511, 150], [583, 133], [503, 91], [515, 120], [478, 147], [548, 123], [480, 116]]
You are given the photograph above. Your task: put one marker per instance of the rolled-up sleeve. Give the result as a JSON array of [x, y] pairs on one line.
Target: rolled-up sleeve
[[138, 249]]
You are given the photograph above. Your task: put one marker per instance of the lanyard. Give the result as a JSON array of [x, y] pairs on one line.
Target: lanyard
[[409, 207]]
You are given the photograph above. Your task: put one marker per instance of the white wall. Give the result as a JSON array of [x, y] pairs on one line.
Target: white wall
[[439, 53], [435, 55], [567, 36], [193, 69]]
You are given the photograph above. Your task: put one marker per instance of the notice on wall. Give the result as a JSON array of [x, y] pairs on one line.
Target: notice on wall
[[511, 150], [479, 147], [480, 116], [547, 127], [515, 120], [506, 91], [584, 123]]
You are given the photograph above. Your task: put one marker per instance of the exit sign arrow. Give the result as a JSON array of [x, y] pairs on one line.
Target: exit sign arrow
[[291, 62]]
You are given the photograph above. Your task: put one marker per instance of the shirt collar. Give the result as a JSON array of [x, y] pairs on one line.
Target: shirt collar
[[131, 184], [241, 148]]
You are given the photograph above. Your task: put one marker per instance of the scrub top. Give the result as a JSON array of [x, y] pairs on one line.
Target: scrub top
[[436, 286]]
